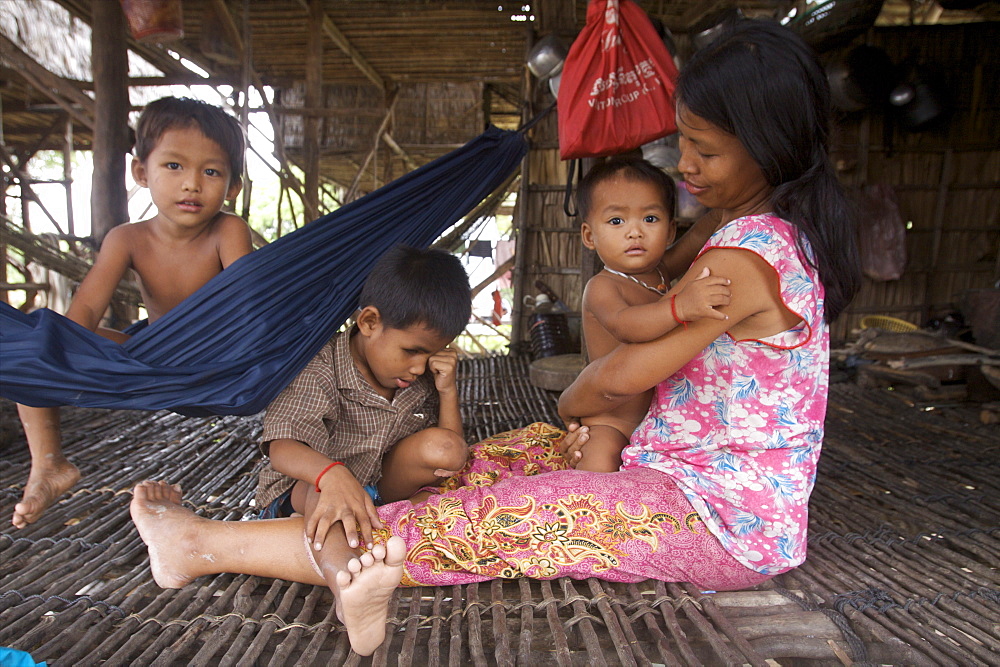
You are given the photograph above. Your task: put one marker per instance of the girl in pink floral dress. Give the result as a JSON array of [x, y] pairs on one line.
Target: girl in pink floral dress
[[715, 483]]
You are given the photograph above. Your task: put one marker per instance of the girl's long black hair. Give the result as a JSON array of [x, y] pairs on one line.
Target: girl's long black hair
[[760, 82]]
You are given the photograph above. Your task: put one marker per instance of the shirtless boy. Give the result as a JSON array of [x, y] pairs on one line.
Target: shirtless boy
[[190, 156], [627, 209]]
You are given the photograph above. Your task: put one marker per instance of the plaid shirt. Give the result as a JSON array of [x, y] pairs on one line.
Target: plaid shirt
[[334, 410]]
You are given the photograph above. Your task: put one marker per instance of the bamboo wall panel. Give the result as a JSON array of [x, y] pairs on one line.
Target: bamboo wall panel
[[551, 242], [946, 177], [429, 120]]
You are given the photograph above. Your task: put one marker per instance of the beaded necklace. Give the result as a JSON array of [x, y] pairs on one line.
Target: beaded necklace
[[660, 289]]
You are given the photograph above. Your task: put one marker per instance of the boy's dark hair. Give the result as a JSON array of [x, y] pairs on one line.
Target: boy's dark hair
[[419, 286], [169, 113], [763, 84], [632, 169]]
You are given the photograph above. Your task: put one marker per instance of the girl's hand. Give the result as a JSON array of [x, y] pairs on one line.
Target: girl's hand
[[341, 499], [442, 367], [700, 297]]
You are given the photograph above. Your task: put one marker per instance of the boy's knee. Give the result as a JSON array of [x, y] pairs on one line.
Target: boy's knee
[[444, 449]]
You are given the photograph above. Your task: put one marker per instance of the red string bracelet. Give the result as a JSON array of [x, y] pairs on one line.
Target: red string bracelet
[[673, 311], [320, 476]]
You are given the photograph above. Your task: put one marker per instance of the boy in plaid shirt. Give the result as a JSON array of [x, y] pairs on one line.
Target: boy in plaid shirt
[[364, 423]]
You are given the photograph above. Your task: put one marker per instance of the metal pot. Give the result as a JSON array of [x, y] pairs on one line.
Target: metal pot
[[711, 26], [860, 79], [919, 99], [546, 57]]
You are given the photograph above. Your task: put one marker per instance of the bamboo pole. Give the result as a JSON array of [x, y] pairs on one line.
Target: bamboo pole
[[352, 191], [68, 175], [502, 269], [27, 193]]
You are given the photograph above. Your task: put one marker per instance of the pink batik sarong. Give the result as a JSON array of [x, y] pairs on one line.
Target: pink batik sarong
[[517, 511]]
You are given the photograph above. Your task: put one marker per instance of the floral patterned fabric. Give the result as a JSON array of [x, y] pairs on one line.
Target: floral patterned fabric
[[739, 428], [502, 518]]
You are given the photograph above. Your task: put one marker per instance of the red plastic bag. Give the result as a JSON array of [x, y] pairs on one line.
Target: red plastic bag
[[617, 85]]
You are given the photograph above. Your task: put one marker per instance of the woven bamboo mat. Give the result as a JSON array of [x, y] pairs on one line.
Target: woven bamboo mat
[[902, 566]]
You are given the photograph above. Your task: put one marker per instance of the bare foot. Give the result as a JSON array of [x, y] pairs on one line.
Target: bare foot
[[167, 528], [45, 485], [365, 589]]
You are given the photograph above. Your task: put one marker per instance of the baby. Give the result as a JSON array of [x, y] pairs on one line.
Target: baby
[[627, 205]]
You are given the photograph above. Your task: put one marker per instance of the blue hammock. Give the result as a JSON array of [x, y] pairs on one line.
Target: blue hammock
[[233, 345]]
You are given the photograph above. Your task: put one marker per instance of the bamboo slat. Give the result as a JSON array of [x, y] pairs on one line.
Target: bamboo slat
[[901, 568]]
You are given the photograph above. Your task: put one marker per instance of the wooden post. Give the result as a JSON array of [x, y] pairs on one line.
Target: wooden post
[[3, 213], [553, 17], [108, 199], [246, 75], [521, 216], [314, 99], [68, 176]]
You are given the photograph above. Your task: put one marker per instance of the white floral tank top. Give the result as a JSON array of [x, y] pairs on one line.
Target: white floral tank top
[[739, 428]]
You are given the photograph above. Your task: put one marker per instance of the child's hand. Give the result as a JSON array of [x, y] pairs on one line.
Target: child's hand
[[343, 499], [700, 297], [442, 367], [570, 446]]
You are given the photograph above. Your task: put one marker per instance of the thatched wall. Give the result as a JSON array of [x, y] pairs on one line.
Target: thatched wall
[[946, 178], [548, 246], [428, 120]]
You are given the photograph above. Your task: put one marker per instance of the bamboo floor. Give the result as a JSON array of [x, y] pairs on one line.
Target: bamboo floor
[[902, 566]]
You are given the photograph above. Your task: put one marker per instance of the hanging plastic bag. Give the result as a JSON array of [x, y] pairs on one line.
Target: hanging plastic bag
[[617, 84], [882, 234]]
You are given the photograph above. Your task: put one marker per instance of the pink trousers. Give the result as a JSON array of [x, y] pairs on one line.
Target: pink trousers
[[517, 511]]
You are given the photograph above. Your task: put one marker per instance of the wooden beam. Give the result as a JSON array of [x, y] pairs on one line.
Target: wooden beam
[[410, 164], [351, 112], [228, 24], [500, 270], [340, 40], [109, 62], [59, 90], [186, 78], [314, 98]]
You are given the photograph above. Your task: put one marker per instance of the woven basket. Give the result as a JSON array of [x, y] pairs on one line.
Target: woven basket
[[886, 323]]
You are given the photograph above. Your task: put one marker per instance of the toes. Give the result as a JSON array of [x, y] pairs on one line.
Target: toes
[[155, 491], [395, 551], [344, 579]]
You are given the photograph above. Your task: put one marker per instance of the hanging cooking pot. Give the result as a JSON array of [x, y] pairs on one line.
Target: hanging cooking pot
[[546, 57], [919, 100], [861, 79], [711, 26]]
